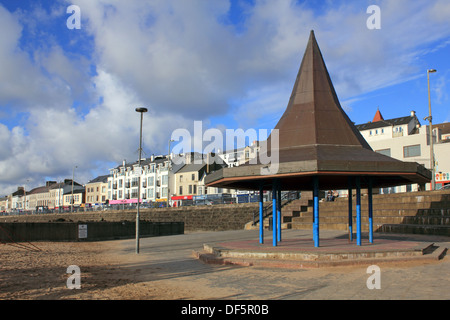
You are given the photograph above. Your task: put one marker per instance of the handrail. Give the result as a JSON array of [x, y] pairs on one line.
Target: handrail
[[286, 195]]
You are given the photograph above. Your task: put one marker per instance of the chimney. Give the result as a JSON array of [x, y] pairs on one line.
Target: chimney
[[413, 113]]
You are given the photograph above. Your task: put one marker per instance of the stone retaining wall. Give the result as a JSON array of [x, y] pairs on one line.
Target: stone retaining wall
[[195, 218]]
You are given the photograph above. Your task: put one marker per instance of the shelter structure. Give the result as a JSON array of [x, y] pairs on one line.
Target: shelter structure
[[318, 146]]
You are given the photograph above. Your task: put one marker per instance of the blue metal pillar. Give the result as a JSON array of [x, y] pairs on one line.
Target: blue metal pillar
[[274, 213], [370, 212], [350, 209], [261, 208], [316, 212], [358, 211], [279, 210]]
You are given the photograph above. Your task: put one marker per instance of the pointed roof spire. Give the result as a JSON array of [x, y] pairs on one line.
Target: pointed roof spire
[[378, 116], [314, 115]]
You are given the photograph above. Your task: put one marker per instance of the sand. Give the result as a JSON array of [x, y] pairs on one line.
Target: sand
[[38, 271]]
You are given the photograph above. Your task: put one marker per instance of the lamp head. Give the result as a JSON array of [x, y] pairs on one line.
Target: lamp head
[[141, 110], [432, 70]]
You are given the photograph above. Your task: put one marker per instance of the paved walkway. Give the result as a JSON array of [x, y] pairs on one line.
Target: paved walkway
[[173, 258]]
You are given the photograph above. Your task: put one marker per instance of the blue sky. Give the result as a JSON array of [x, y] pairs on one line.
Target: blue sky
[[67, 97]]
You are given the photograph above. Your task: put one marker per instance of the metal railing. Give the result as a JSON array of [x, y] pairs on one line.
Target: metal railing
[[267, 210]]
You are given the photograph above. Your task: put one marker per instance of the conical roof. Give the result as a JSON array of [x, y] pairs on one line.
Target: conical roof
[[316, 138], [314, 115], [378, 116]]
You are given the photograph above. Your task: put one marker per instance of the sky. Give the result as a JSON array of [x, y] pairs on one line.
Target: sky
[[68, 95]]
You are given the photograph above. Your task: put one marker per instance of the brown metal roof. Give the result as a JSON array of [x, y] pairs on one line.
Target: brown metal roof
[[316, 138], [314, 114]]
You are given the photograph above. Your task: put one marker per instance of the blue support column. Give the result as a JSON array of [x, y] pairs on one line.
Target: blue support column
[[358, 211], [370, 212], [279, 211], [316, 212], [350, 209], [261, 208], [274, 214]]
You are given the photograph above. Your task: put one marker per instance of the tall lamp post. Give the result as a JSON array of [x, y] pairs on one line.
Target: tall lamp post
[[168, 174], [430, 129], [73, 177], [141, 111]]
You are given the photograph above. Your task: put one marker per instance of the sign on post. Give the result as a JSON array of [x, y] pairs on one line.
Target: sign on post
[[82, 231]]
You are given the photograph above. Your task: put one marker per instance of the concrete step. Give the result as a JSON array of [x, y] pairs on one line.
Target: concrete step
[[443, 230], [333, 226], [443, 213]]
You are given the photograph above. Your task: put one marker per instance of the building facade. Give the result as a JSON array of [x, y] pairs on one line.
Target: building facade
[[123, 181], [97, 192], [406, 139]]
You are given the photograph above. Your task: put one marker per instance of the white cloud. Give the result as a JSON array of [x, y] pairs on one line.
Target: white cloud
[[184, 63]]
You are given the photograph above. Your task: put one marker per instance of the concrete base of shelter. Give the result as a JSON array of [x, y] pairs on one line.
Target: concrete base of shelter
[[301, 253]]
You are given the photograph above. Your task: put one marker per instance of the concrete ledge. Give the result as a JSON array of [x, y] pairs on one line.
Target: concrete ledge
[[296, 253]]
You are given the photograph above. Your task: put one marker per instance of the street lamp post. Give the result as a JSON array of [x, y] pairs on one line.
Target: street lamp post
[[168, 175], [141, 111], [73, 177], [430, 128]]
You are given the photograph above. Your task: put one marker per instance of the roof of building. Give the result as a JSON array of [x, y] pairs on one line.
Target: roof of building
[[378, 116], [191, 167], [317, 139], [444, 127], [41, 189], [144, 162], [103, 179], [385, 123]]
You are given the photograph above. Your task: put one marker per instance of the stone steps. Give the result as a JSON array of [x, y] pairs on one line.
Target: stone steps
[[419, 212]]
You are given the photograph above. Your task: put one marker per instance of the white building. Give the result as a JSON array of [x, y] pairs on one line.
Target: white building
[[406, 139], [123, 182]]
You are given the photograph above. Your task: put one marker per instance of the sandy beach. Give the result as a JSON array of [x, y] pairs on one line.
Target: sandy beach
[[38, 271]]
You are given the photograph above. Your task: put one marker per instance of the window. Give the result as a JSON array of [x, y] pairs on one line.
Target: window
[[190, 189], [164, 192], [193, 176], [151, 181], [195, 189], [181, 190], [411, 151], [164, 179], [181, 177], [150, 192], [386, 152]]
